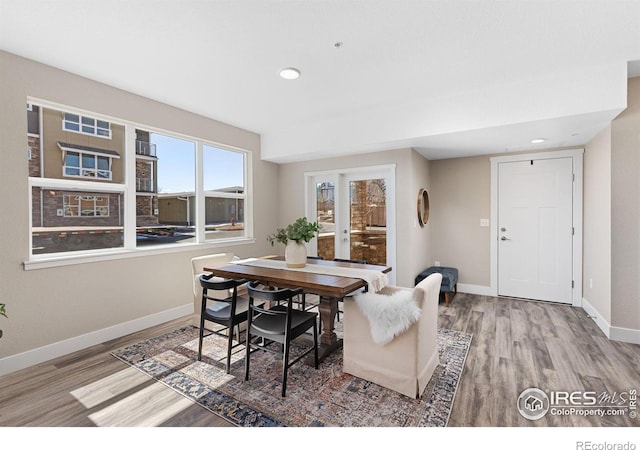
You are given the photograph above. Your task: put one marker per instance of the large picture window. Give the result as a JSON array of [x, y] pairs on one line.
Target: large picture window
[[87, 196]]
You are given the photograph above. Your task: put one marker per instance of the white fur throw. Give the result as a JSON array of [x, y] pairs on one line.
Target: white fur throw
[[388, 315]]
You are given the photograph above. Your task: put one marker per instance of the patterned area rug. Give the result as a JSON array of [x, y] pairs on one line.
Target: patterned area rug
[[323, 397]]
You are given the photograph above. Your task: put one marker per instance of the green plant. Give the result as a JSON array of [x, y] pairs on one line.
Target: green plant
[[3, 309], [298, 231]]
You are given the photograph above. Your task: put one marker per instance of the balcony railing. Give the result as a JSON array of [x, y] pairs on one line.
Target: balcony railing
[[145, 148], [144, 185]]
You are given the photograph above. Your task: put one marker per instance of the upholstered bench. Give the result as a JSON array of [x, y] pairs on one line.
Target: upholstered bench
[[449, 280]]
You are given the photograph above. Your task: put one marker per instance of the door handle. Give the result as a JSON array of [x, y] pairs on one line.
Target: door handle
[[504, 238]]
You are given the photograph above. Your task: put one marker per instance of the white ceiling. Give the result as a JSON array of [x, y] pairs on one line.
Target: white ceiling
[[449, 78]]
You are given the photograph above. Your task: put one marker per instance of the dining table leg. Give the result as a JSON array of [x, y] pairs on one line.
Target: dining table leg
[[328, 339], [328, 308]]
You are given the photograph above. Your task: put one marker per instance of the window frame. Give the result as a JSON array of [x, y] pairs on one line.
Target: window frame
[[80, 198], [128, 190], [222, 194], [81, 125], [82, 170]]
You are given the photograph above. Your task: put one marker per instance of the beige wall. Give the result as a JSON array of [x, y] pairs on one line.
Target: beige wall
[[412, 173], [597, 224], [460, 197], [625, 212], [47, 306], [420, 252]]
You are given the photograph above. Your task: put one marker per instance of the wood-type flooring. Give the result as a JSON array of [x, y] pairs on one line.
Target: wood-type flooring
[[517, 344]]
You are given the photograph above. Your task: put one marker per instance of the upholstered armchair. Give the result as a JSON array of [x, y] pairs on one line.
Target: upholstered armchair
[[407, 361], [197, 268]]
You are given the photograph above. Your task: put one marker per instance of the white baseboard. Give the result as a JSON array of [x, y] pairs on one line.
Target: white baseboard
[[42, 354], [475, 289], [614, 333], [625, 335], [596, 317]]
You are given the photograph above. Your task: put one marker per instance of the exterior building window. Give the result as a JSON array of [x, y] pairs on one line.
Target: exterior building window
[[78, 164], [86, 125], [86, 206]]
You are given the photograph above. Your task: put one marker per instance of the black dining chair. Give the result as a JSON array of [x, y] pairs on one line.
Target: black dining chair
[[352, 261], [229, 312], [281, 325]]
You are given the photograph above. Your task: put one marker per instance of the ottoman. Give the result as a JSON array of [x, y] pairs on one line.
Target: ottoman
[[449, 280]]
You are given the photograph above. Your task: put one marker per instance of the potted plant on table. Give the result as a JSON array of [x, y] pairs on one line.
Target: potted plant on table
[[294, 236]]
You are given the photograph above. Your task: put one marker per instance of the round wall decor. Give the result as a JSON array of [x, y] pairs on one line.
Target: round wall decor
[[423, 207]]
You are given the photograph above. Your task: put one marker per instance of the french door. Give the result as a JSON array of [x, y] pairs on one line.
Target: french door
[[356, 209]]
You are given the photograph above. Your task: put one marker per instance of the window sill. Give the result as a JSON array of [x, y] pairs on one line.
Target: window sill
[[45, 261]]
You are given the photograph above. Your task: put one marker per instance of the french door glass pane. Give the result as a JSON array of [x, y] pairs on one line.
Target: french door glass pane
[[325, 209], [368, 220]]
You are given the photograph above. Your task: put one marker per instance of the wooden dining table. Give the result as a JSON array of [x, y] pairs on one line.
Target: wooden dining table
[[329, 287]]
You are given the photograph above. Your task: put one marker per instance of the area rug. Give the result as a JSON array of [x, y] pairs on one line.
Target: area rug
[[315, 398]]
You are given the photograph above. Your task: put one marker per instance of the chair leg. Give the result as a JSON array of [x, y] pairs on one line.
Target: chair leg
[[446, 298], [315, 344], [229, 346], [285, 367], [247, 356], [201, 336]]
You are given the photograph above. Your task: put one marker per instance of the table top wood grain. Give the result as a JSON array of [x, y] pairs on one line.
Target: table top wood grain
[[313, 283]]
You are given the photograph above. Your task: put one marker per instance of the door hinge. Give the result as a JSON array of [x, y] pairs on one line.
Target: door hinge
[[573, 230], [573, 284], [573, 177]]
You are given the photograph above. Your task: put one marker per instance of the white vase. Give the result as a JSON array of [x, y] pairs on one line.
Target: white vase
[[295, 254]]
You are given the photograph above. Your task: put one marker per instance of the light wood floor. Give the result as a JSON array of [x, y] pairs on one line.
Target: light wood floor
[[516, 344]]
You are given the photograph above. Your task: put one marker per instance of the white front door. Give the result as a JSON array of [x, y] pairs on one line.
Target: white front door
[[535, 229]]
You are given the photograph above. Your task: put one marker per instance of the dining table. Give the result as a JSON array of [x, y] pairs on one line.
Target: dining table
[[330, 280]]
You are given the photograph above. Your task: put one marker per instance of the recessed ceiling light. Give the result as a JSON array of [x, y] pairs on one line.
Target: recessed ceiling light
[[290, 73], [537, 141]]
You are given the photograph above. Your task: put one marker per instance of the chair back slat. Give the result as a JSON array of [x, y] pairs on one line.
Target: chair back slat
[[218, 284]]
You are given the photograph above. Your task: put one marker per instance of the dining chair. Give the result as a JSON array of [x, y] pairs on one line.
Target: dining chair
[[281, 325], [229, 312], [407, 356], [198, 265]]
